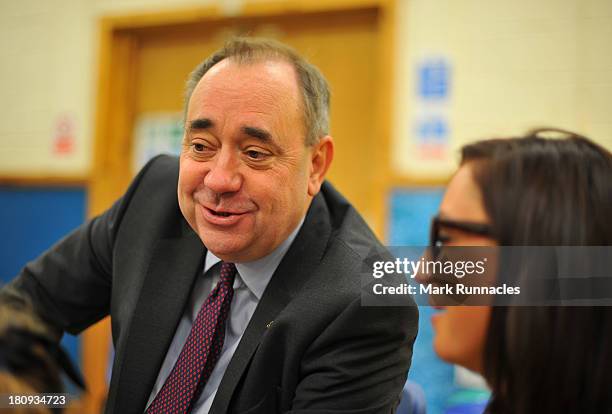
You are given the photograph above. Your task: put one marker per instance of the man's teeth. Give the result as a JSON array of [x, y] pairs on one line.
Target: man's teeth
[[222, 214]]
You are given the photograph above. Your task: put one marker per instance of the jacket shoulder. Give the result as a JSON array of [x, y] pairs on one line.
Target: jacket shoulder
[[349, 228], [161, 171]]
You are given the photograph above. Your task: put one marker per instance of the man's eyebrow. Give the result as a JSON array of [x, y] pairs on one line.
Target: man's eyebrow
[[200, 123], [258, 133]]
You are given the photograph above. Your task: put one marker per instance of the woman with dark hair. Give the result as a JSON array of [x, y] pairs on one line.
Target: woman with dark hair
[[531, 191], [31, 362]]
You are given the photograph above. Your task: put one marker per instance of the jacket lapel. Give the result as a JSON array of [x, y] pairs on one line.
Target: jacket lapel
[[294, 270], [175, 264]]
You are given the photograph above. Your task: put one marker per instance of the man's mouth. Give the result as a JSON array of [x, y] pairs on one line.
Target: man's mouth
[[223, 217], [220, 213], [224, 213]]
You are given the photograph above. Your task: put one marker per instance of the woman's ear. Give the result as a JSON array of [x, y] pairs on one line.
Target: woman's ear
[[321, 158]]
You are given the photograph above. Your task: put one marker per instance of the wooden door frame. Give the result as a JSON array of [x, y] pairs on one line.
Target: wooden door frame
[[115, 106]]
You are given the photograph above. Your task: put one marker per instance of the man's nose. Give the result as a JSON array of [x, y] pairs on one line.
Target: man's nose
[[224, 176]]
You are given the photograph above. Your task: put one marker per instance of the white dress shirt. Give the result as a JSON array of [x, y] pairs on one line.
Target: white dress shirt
[[249, 285]]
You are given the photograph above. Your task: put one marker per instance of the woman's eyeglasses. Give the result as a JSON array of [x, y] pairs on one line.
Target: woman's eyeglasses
[[467, 226]]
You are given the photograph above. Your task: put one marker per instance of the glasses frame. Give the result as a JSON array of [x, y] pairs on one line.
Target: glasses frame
[[480, 229]]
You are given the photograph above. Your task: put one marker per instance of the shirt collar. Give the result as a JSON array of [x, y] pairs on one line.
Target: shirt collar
[[257, 274]]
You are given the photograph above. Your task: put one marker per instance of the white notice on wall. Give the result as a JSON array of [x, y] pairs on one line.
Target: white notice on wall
[[156, 133]]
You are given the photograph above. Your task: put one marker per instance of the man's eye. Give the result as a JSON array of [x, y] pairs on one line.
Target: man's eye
[[256, 155], [199, 147]]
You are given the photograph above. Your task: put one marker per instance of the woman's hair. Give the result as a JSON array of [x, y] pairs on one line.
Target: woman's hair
[[31, 360], [540, 191], [12, 385]]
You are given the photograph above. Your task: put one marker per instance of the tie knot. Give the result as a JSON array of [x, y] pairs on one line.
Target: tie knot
[[228, 272]]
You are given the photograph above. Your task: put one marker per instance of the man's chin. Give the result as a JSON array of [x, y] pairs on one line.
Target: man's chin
[[234, 252], [231, 257], [226, 250]]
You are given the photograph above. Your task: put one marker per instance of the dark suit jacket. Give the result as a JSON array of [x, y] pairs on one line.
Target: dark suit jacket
[[310, 346]]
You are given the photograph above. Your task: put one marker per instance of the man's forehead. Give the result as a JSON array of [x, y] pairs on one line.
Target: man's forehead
[[274, 71], [218, 113], [260, 93], [265, 83]]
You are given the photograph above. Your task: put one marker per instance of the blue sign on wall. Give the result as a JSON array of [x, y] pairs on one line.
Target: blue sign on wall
[[434, 79]]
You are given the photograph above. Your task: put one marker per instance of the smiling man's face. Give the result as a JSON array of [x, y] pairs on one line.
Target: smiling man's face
[[244, 168]]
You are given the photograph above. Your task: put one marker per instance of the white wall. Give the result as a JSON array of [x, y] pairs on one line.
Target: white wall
[[48, 70], [46, 73], [516, 64]]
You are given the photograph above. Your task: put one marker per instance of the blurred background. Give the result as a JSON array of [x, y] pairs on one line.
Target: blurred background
[[91, 89]]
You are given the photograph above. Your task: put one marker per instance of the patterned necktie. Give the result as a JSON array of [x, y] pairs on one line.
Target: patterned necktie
[[200, 352]]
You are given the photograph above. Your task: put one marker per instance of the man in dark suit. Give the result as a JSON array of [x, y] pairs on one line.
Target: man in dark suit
[[242, 294]]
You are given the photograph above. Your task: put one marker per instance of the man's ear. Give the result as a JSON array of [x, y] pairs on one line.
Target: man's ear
[[321, 158]]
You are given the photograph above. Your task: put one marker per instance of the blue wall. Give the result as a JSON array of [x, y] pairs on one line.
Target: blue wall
[[411, 211], [31, 220]]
